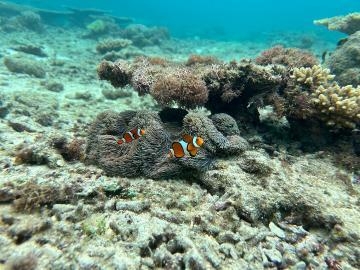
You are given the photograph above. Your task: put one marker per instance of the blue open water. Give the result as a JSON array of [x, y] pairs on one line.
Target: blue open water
[[220, 20]]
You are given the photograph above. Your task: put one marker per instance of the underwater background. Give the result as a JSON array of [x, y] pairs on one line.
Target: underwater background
[[179, 134], [221, 20]]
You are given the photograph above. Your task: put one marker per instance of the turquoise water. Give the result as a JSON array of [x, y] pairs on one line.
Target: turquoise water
[[221, 20]]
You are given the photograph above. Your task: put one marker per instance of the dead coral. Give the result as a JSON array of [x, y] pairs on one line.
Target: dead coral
[[201, 60], [31, 195], [25, 65], [109, 45], [289, 57], [142, 35], [118, 73], [348, 24], [27, 261]]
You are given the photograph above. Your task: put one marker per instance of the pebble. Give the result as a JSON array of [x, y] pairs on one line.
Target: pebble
[[276, 230], [273, 256], [300, 266]]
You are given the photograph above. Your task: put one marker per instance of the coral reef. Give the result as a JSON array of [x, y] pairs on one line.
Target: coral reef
[[312, 76], [109, 45], [181, 86], [339, 106], [348, 24], [213, 86], [147, 156], [289, 57], [142, 35], [344, 62], [97, 28], [27, 19], [237, 88], [25, 65]]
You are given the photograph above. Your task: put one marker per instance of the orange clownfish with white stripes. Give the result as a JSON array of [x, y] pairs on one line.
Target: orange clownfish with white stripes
[[131, 135], [188, 146]]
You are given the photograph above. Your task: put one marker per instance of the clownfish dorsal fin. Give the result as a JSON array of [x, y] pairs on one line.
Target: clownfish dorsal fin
[[187, 138]]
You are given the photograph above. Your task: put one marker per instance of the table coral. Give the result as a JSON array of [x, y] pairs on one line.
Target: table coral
[[348, 24]]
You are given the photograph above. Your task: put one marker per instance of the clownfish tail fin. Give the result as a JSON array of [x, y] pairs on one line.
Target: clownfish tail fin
[[120, 141]]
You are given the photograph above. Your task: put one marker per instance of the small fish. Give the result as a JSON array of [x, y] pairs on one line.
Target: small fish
[[189, 145], [131, 135]]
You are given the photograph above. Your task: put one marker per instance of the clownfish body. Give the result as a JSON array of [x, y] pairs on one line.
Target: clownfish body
[[189, 145], [131, 135]]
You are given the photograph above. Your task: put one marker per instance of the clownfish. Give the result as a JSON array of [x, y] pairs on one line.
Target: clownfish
[[131, 135], [189, 145]]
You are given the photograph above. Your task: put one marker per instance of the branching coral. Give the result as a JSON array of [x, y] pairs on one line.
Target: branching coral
[[339, 106], [312, 76]]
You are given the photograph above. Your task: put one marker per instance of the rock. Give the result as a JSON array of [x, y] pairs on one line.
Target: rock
[[25, 66], [344, 62], [133, 206], [273, 256]]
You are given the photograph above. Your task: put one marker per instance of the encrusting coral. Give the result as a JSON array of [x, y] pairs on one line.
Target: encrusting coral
[[348, 24]]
